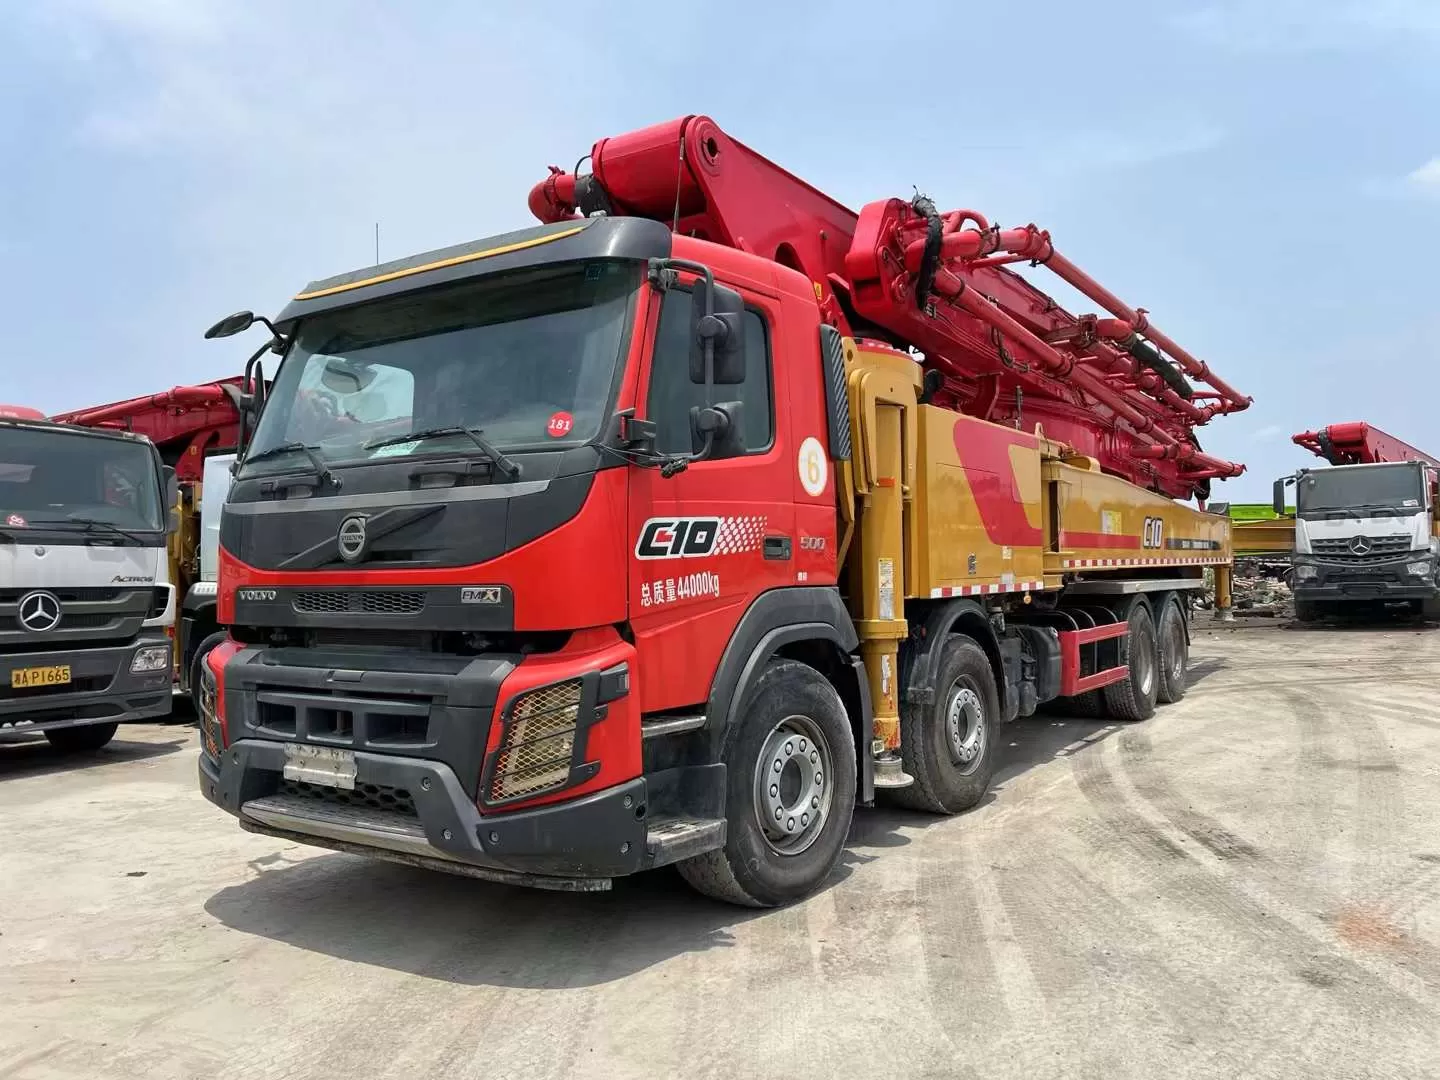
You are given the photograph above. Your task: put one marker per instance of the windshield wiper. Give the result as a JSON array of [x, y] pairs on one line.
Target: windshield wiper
[[322, 471], [475, 435], [92, 525]]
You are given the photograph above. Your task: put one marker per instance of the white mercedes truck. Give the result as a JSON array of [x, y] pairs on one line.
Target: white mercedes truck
[[87, 608], [1365, 537]]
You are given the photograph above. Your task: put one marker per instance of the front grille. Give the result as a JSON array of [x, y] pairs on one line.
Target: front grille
[[1382, 548], [320, 603], [362, 601], [392, 603], [88, 620], [539, 742], [370, 796], [66, 596]]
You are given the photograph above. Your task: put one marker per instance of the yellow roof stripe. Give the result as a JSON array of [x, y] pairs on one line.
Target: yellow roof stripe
[[439, 264]]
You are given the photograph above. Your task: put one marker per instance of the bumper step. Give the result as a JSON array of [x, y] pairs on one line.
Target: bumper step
[[671, 839]]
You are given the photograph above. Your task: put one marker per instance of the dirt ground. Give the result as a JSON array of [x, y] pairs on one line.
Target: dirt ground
[[1247, 885]]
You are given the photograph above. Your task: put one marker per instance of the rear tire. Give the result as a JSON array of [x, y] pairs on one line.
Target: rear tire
[[79, 740], [792, 726], [1174, 652], [950, 745], [1134, 697]]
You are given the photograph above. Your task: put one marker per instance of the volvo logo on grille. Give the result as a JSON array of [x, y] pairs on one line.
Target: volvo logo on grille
[[1361, 545], [39, 612], [351, 539]]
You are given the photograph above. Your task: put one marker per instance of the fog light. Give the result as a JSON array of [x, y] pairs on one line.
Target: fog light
[[150, 658], [1419, 569], [1306, 573]]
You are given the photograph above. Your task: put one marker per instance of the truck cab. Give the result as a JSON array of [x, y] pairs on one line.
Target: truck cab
[[86, 605], [1364, 536]]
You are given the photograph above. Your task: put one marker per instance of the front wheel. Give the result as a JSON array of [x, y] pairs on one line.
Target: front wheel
[[790, 792], [1306, 611], [79, 740]]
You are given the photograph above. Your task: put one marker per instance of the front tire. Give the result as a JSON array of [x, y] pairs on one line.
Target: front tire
[[790, 792], [1134, 697], [1306, 611], [950, 745], [1174, 653], [79, 740]]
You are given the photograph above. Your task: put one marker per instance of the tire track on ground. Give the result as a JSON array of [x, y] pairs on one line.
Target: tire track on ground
[[1152, 783], [1313, 957]]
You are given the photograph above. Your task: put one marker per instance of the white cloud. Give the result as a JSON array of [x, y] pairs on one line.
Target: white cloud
[[1426, 179], [1266, 433]]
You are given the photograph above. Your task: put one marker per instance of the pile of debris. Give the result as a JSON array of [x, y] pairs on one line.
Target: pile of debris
[[1259, 589]]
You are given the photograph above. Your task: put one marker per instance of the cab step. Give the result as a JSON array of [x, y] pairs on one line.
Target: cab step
[[671, 839]]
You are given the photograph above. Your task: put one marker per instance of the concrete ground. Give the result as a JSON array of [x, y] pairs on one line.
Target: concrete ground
[[1246, 886]]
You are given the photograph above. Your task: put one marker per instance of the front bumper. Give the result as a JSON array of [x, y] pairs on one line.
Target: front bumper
[[416, 811], [102, 688], [1358, 582], [417, 726]]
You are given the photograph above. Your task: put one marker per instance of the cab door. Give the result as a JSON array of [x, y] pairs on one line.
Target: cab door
[[709, 540]]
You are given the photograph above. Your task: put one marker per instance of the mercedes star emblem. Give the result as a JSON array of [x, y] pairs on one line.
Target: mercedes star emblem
[[351, 539], [1361, 545], [39, 612]]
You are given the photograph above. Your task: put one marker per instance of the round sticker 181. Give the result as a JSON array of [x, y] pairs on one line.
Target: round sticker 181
[[559, 425], [813, 467]]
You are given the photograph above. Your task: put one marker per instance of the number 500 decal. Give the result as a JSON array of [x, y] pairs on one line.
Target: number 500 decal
[[1154, 532]]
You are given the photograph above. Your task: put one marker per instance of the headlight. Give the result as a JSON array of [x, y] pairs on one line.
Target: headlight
[[150, 658], [1304, 572], [205, 700], [1419, 569]]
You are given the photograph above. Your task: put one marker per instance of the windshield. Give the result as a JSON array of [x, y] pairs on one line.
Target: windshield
[[1370, 486], [528, 359], [57, 477]]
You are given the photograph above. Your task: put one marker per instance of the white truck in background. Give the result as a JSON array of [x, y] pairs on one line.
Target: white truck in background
[[87, 608]]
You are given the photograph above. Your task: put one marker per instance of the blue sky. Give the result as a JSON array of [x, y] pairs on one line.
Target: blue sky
[[1264, 177]]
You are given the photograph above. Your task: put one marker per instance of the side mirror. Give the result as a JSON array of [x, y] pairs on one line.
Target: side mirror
[[719, 430], [231, 325], [252, 399], [717, 320], [1278, 496], [172, 486]]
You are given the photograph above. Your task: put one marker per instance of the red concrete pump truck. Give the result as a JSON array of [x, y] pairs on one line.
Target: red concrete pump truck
[[673, 528]]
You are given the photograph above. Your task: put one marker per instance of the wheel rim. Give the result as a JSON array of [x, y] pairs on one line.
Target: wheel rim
[[794, 785], [1143, 661], [1175, 650], [965, 725]]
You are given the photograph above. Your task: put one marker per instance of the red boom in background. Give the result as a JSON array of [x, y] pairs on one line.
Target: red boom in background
[[1358, 443], [1114, 387]]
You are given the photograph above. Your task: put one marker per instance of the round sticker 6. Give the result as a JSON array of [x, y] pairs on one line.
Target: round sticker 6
[[813, 467]]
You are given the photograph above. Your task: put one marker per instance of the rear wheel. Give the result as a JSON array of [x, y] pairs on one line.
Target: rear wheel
[[1134, 697], [1090, 705], [1174, 652], [790, 792], [78, 740], [949, 746]]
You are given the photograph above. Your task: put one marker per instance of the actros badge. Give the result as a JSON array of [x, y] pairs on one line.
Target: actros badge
[[677, 538]]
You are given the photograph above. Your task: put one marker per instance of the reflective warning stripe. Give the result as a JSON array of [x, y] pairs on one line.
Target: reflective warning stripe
[[1181, 561], [987, 590]]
